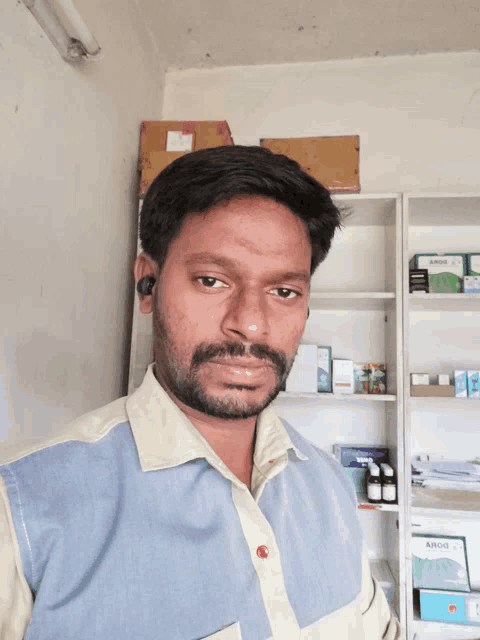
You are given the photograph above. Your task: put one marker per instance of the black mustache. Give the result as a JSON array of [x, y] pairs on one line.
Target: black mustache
[[204, 353]]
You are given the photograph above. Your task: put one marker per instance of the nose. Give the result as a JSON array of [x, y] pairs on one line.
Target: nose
[[247, 316]]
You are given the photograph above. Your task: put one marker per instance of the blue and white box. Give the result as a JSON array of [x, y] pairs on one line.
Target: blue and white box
[[473, 383], [450, 606], [356, 457], [469, 284], [460, 381]]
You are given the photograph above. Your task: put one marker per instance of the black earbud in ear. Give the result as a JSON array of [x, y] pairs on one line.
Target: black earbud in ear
[[145, 285]]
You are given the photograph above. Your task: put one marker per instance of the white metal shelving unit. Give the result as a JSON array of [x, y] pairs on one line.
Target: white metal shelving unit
[[441, 332], [361, 307], [356, 308]]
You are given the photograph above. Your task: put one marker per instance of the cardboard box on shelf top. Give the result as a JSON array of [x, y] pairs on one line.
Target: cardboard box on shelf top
[[333, 161], [161, 142]]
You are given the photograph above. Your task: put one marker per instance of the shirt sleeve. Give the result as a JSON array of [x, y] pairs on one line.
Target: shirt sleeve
[[16, 600], [378, 620]]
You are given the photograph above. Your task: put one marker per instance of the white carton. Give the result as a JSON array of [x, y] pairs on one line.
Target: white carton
[[303, 375], [342, 377], [419, 378]]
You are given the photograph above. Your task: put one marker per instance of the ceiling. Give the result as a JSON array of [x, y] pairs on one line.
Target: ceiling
[[216, 33]]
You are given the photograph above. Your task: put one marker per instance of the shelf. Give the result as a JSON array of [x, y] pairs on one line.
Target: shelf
[[462, 401], [339, 396], [444, 301], [364, 505], [445, 630], [355, 300], [443, 210], [445, 503], [367, 209]]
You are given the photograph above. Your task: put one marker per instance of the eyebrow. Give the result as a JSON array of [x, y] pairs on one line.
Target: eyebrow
[[223, 261]]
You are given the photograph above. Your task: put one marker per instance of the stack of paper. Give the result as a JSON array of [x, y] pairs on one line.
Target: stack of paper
[[442, 474]]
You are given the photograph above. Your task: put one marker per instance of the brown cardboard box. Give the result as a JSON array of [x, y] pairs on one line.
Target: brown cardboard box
[[153, 144], [432, 391], [332, 161]]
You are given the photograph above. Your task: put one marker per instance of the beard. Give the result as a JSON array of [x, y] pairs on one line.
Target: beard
[[185, 384]]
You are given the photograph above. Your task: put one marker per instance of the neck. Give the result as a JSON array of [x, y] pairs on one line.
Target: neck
[[232, 440]]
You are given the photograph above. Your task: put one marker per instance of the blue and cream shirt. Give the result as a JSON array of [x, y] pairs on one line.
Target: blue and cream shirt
[[128, 525]]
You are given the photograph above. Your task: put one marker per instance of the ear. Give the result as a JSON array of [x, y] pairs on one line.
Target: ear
[[145, 266]]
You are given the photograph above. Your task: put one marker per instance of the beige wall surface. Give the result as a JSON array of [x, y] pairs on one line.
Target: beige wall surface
[[69, 143], [418, 117]]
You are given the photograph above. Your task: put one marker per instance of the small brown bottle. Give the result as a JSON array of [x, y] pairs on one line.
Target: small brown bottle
[[374, 485], [389, 486]]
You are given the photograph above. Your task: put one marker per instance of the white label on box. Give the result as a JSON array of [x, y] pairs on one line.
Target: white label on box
[[444, 379], [178, 141], [440, 264]]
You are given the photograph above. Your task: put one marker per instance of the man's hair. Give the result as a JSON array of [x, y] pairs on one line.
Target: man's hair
[[198, 181]]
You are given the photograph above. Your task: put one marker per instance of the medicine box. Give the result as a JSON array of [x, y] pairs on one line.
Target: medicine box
[[445, 271], [303, 374], [476, 284], [469, 284], [473, 264], [342, 376], [378, 379], [473, 383], [324, 369], [355, 459], [439, 562], [418, 281], [361, 378], [419, 378], [460, 383], [450, 606]]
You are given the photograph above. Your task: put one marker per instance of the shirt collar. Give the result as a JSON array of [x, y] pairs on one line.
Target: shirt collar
[[165, 437]]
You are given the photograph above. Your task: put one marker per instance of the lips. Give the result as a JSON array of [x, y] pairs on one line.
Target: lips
[[247, 364]]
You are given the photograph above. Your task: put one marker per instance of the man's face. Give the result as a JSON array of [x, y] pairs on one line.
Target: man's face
[[230, 307]]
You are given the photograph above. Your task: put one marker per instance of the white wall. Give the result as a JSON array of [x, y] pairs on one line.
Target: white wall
[[69, 145], [418, 117]]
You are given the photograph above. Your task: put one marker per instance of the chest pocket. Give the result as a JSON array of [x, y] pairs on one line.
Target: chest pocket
[[228, 633]]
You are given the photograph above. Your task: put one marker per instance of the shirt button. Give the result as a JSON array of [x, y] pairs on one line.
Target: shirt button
[[262, 551]]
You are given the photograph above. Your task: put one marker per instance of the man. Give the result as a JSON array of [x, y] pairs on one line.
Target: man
[[190, 510]]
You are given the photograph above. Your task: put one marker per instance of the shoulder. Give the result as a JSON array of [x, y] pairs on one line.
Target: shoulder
[[322, 462], [89, 427]]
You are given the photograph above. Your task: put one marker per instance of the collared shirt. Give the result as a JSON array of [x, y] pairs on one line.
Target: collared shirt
[[128, 525]]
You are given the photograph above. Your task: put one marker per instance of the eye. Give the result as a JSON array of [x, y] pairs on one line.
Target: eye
[[286, 294], [211, 283]]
